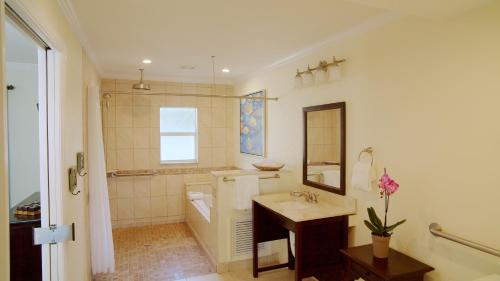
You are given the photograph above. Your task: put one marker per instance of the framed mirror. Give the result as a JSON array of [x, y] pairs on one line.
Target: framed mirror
[[324, 147]]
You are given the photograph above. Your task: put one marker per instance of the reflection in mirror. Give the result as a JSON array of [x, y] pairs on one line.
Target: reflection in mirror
[[323, 165]]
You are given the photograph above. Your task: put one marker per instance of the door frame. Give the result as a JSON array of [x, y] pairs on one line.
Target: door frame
[[52, 255]]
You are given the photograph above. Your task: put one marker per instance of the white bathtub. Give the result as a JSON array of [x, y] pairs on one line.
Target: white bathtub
[[203, 205]]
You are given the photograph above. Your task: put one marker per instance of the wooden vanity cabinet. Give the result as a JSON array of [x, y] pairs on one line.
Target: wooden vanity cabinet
[[317, 243], [25, 258]]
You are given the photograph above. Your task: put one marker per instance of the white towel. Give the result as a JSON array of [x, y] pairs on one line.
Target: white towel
[[292, 242], [362, 176], [195, 195], [331, 177], [245, 188]]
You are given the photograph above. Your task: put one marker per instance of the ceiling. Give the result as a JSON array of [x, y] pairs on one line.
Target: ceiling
[[19, 46], [243, 35]]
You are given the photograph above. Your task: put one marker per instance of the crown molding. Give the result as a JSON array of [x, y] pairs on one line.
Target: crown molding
[[169, 78], [356, 30], [74, 23], [38, 26]]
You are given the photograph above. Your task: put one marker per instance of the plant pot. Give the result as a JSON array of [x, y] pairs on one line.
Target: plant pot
[[381, 246]]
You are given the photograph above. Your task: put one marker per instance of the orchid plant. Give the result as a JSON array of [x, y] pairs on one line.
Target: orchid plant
[[387, 186]]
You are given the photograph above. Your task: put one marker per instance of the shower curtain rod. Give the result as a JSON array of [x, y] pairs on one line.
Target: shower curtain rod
[[105, 93]]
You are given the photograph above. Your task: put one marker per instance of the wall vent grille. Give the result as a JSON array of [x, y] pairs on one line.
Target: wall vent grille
[[241, 236]]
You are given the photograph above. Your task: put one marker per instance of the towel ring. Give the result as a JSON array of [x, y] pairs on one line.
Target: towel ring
[[368, 150]]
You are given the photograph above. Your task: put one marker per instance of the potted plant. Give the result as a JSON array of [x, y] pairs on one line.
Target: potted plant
[[381, 233]]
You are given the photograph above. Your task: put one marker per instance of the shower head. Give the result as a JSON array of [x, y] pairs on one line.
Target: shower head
[[141, 85]]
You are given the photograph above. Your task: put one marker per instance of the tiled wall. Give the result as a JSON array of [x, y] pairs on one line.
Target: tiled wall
[[323, 135], [136, 201], [132, 141]]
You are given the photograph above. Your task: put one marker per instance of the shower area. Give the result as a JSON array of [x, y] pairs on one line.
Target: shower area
[[147, 182]]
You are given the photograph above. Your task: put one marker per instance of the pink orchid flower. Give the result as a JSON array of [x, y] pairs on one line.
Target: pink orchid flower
[[387, 184]]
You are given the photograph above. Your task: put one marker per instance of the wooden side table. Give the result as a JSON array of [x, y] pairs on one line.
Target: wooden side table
[[362, 264]]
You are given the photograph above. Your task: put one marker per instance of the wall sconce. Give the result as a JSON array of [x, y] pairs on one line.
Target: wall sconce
[[298, 79], [334, 70], [307, 77], [321, 73]]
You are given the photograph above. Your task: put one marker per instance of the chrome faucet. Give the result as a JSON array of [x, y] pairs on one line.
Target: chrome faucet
[[309, 196]]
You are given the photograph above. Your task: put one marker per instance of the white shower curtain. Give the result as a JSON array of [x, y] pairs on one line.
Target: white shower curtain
[[101, 235]]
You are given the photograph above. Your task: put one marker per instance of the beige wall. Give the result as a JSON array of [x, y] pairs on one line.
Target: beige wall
[[425, 95], [132, 139]]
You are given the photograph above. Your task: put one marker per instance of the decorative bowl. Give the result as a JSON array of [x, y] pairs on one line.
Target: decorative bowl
[[268, 166]]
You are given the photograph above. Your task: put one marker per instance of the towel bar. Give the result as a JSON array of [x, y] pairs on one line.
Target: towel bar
[[118, 173], [276, 176], [368, 150], [436, 230]]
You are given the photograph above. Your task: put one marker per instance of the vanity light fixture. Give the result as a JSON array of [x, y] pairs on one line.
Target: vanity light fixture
[[226, 70], [307, 76], [334, 72], [323, 72], [298, 79], [146, 61]]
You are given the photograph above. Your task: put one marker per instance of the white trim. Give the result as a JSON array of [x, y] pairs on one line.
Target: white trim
[[54, 145], [51, 38], [44, 154], [371, 24], [74, 23]]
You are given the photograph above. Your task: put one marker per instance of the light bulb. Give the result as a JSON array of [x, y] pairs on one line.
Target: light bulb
[[334, 73]]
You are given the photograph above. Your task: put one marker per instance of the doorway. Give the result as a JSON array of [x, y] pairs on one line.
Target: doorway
[[28, 104]]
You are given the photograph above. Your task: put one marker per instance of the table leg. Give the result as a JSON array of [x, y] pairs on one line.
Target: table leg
[[298, 253], [255, 247]]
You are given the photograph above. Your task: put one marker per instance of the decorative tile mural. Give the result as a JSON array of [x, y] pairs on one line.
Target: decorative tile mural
[[253, 125]]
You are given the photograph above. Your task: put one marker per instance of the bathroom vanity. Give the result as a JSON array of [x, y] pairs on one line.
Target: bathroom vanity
[[320, 232], [319, 226]]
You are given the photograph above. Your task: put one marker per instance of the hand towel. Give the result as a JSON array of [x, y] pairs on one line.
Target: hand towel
[[362, 176], [245, 188], [292, 242], [195, 195], [331, 177]]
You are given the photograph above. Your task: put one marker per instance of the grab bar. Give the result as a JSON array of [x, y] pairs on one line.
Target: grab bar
[[436, 230], [276, 176], [115, 174]]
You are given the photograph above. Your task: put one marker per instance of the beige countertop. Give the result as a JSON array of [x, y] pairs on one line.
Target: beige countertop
[[297, 209]]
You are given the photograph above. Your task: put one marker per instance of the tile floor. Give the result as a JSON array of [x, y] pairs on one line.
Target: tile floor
[[157, 253], [170, 252]]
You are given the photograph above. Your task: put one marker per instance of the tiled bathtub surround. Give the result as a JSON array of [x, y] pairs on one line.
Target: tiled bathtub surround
[[147, 200], [132, 141]]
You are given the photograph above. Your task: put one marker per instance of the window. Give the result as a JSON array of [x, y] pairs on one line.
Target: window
[[178, 135]]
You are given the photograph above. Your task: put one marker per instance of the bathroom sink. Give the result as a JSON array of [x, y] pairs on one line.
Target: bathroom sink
[[294, 205]]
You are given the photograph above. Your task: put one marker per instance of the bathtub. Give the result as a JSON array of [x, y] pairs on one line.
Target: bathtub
[[201, 217], [203, 205]]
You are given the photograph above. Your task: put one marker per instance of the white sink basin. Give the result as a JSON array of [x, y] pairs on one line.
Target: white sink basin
[[294, 205]]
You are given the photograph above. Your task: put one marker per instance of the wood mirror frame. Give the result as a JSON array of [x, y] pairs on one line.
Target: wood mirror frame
[[305, 181]]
